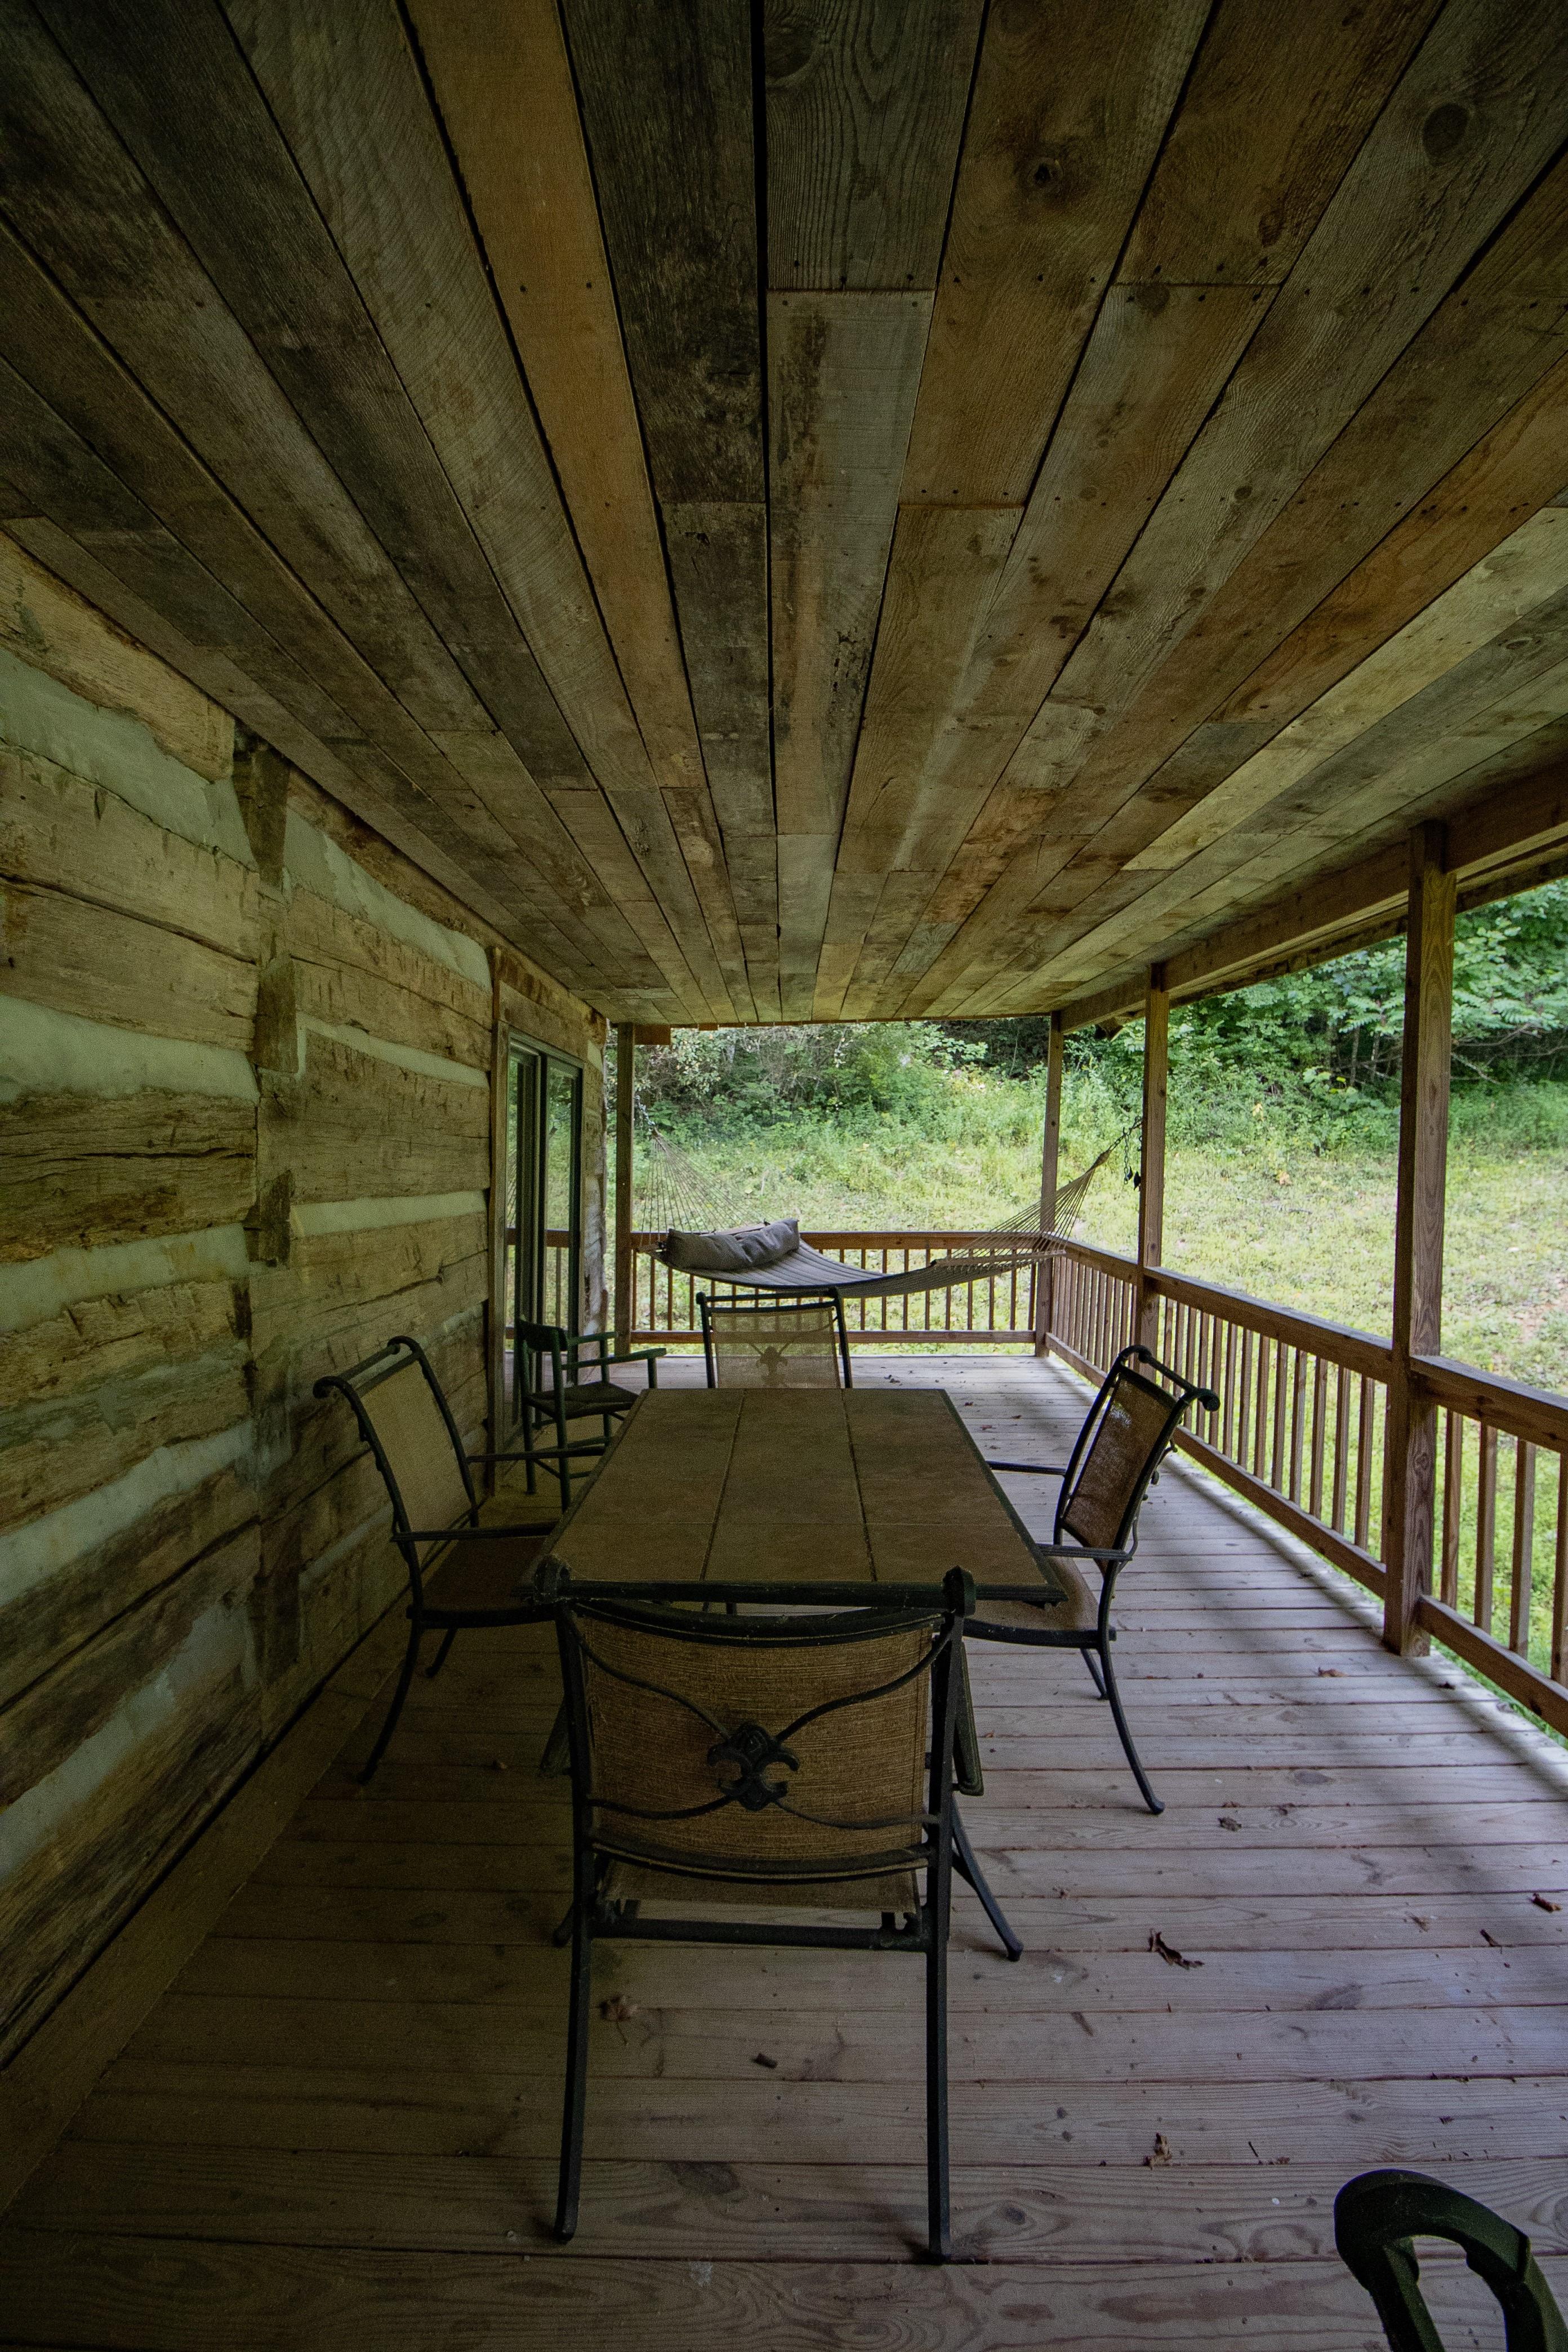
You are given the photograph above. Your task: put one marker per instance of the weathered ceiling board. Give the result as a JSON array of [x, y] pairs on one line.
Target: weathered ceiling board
[[849, 510]]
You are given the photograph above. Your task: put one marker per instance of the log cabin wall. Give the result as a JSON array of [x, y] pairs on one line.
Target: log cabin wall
[[246, 1117]]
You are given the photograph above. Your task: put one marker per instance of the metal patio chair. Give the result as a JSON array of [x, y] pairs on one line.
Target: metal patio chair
[[749, 1763], [1378, 2214], [1126, 1434], [775, 1343], [570, 1395], [405, 1419]]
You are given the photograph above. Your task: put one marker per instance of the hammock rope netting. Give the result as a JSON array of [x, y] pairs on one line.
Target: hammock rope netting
[[675, 1196]]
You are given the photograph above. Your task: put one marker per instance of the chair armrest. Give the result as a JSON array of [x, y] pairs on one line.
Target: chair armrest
[[461, 1535], [638, 1356], [1035, 1469], [1106, 1554], [543, 1453]]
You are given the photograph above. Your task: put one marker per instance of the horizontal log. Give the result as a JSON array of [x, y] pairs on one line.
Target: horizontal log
[[65, 1707], [336, 1287], [62, 1906], [80, 958], [352, 971], [116, 1338], [357, 1126], [53, 629], [58, 1447], [76, 1170], [49, 1619], [63, 834]]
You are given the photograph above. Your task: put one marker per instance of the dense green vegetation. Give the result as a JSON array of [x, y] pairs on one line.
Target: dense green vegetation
[[1284, 1117]]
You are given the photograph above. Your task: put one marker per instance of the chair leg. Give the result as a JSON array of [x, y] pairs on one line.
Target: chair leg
[[1093, 1665], [939, 2226], [963, 1862], [556, 1761], [442, 1655], [1155, 1804], [410, 1657], [576, 2092]]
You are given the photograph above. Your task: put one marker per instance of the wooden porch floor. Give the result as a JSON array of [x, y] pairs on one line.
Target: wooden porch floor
[[1339, 1948]]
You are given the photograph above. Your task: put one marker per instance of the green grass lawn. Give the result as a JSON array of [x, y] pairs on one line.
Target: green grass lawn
[[1255, 1204]]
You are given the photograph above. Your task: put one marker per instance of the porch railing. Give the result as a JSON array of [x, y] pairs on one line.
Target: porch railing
[[992, 1310], [1300, 1432]]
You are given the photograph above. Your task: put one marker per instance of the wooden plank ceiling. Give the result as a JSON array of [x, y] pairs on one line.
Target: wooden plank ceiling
[[848, 508]]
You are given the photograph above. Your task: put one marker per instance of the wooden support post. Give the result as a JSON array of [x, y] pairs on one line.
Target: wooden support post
[[1410, 1468], [626, 1096], [1050, 1170], [1152, 1154]]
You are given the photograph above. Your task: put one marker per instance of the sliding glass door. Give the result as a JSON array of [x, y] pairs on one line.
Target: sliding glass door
[[544, 1200]]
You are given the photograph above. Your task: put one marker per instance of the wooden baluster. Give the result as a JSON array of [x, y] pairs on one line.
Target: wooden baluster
[[1341, 1447], [1260, 1408], [1298, 1422], [1363, 1461], [1227, 1416], [1560, 1576], [1410, 1452], [1453, 1503], [1244, 1399], [1523, 1547], [1486, 1528], [1277, 1471], [1320, 1433]]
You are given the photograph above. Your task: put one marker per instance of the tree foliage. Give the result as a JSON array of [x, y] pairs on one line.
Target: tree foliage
[[1322, 1044]]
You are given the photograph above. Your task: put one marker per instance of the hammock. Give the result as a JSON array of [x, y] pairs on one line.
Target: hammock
[[683, 1207]]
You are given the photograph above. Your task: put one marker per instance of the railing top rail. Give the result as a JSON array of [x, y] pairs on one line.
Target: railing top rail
[[1363, 1351], [897, 1237], [1534, 1414]]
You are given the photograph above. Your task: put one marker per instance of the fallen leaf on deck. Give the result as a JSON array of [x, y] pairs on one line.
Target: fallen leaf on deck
[[1331, 1670], [1488, 1937], [1544, 1903], [1416, 1920], [1168, 1952], [617, 2010], [1228, 1822], [1161, 2153], [495, 1764], [761, 2059]]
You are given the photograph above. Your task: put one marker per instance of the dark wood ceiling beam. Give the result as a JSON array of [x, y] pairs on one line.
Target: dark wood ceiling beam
[[1164, 343], [1500, 333], [257, 230], [101, 463], [346, 91]]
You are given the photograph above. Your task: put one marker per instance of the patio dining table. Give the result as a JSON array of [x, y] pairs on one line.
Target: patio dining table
[[807, 1485]]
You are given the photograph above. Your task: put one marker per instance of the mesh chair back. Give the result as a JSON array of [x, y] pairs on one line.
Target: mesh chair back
[[1117, 1453], [765, 1748], [419, 1453], [772, 1346]]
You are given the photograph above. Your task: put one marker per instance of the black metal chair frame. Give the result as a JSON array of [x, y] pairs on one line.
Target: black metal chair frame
[[1093, 1642], [774, 1304], [1378, 2214], [540, 1406], [400, 1356], [941, 1849]]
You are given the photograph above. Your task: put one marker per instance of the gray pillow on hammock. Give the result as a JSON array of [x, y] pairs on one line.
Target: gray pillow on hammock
[[732, 1252]]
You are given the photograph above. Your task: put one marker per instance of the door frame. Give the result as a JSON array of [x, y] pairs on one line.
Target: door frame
[[514, 1045]]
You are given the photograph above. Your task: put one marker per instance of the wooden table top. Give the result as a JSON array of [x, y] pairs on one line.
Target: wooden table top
[[806, 1485]]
